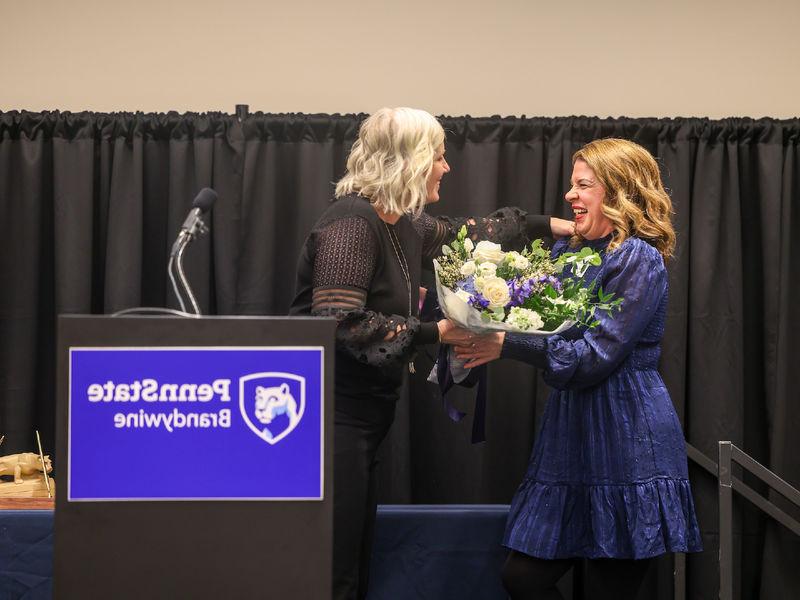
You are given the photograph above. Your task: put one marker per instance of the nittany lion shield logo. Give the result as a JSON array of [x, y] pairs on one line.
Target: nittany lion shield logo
[[272, 404]]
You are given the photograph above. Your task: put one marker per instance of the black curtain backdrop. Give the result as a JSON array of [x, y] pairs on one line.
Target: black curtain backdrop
[[90, 204]]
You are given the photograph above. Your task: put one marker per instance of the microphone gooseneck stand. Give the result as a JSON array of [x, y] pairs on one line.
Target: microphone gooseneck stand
[[176, 260], [175, 288], [192, 227]]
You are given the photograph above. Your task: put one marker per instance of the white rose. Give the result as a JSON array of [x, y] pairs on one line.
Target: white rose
[[464, 295], [468, 245], [487, 269], [468, 268], [488, 251], [521, 263], [495, 291]]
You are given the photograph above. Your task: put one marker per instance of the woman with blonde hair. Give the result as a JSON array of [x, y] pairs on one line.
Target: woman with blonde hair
[[607, 481], [361, 264]]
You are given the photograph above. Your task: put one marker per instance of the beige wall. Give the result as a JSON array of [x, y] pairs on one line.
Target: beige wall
[[509, 57]]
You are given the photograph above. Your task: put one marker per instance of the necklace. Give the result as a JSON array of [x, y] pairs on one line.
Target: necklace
[[401, 260]]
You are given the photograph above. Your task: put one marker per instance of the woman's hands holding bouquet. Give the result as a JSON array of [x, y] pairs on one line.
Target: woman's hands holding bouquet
[[485, 292], [481, 349], [452, 334], [474, 349]]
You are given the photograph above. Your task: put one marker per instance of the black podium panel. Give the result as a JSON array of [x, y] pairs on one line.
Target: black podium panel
[[167, 547]]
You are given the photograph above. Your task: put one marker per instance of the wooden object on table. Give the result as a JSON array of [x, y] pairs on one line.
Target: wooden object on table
[[28, 487], [27, 503], [25, 463], [26, 476]]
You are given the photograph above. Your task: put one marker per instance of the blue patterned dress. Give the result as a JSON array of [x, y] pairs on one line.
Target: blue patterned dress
[[608, 475]]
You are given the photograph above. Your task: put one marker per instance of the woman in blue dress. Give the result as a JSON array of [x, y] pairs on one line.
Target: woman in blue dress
[[607, 481]]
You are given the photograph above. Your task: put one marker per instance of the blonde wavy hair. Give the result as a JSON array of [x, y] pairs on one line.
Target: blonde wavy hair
[[636, 202], [392, 158]]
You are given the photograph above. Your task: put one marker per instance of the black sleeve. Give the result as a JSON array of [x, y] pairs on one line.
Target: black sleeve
[[510, 227], [344, 265]]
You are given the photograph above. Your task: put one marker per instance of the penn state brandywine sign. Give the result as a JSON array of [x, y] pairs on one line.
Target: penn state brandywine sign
[[195, 424]]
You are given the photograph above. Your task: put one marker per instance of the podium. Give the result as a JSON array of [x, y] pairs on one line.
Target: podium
[[194, 457]]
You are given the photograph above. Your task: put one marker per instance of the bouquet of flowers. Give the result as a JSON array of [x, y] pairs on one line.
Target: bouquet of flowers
[[482, 288]]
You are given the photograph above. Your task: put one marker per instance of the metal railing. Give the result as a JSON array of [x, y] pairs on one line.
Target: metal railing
[[727, 483], [729, 454]]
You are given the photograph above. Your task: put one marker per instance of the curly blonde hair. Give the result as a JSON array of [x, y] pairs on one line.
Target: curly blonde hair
[[636, 202], [392, 158]]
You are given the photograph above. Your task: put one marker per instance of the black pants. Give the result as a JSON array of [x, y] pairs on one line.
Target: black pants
[[529, 578], [359, 428]]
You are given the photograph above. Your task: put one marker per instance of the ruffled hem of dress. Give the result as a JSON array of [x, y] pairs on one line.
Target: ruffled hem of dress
[[633, 521]]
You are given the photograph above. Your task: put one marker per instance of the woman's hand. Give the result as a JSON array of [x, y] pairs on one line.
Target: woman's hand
[[450, 333], [481, 349], [561, 227]]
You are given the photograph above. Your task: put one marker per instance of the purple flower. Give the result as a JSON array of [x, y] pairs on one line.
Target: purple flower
[[546, 280], [478, 301], [519, 290], [556, 283], [467, 284]]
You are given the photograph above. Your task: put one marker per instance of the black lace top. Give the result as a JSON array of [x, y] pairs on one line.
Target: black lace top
[[366, 274]]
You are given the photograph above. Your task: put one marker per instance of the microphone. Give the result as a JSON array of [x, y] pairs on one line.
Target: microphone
[[191, 228], [200, 205], [194, 225]]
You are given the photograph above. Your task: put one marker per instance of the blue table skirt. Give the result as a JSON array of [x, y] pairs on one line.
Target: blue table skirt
[[26, 554], [421, 552], [438, 551]]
